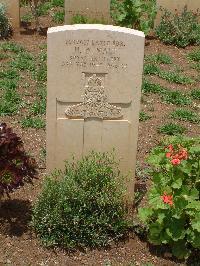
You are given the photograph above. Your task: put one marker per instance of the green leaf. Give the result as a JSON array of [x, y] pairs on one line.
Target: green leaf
[[155, 230], [195, 223], [177, 183], [195, 150], [161, 217], [194, 194], [194, 238], [155, 200], [180, 250], [176, 229], [193, 205], [145, 213]]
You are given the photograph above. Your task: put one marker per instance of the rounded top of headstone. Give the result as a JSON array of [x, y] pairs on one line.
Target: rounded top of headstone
[[100, 27]]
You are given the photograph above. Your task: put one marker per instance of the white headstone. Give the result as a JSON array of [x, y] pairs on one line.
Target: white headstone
[[94, 90]]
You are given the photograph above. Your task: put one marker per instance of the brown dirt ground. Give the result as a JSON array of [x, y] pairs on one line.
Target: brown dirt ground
[[19, 245]]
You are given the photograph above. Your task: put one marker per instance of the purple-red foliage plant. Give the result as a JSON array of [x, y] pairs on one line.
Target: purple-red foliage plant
[[16, 167]]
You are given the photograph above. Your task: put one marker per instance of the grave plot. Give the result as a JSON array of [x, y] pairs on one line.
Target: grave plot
[[169, 106]]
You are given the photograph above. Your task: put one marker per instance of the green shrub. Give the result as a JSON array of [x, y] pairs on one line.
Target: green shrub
[[56, 3], [12, 47], [43, 8], [194, 55], [136, 14], [172, 214], [176, 97], [171, 129], [180, 30], [59, 17], [144, 116], [159, 58], [83, 205], [33, 122], [23, 61], [195, 93], [148, 87], [151, 69], [10, 102], [5, 27], [80, 19], [185, 115]]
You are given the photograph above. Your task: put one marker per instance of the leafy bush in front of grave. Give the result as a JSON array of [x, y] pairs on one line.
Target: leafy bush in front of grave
[[5, 27], [179, 29], [16, 167], [172, 215], [136, 14], [83, 205]]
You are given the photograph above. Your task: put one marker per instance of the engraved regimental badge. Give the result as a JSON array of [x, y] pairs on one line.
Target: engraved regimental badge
[[95, 102]]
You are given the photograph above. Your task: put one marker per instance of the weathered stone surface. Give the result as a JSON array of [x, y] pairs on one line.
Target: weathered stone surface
[[94, 89], [93, 9], [13, 11], [176, 6]]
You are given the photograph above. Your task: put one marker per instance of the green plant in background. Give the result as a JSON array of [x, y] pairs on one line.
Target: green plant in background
[[196, 66], [33, 122], [171, 76], [59, 16], [10, 102], [137, 14], [194, 55], [168, 96], [185, 115], [144, 116], [175, 76], [83, 205], [57, 3], [5, 26], [180, 30], [171, 129], [80, 19], [176, 97], [23, 61], [10, 74], [39, 107], [43, 8], [151, 69], [11, 47], [27, 18], [159, 58], [149, 87], [173, 212], [195, 93]]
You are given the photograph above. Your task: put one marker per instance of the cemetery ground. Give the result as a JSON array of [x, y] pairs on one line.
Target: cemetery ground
[[170, 104]]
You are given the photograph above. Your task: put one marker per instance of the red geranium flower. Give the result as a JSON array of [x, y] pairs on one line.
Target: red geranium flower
[[176, 161], [168, 199], [168, 154]]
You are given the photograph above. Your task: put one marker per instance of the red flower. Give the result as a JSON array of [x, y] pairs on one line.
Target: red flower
[[176, 161], [183, 155], [170, 147], [168, 199], [178, 155], [168, 154]]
